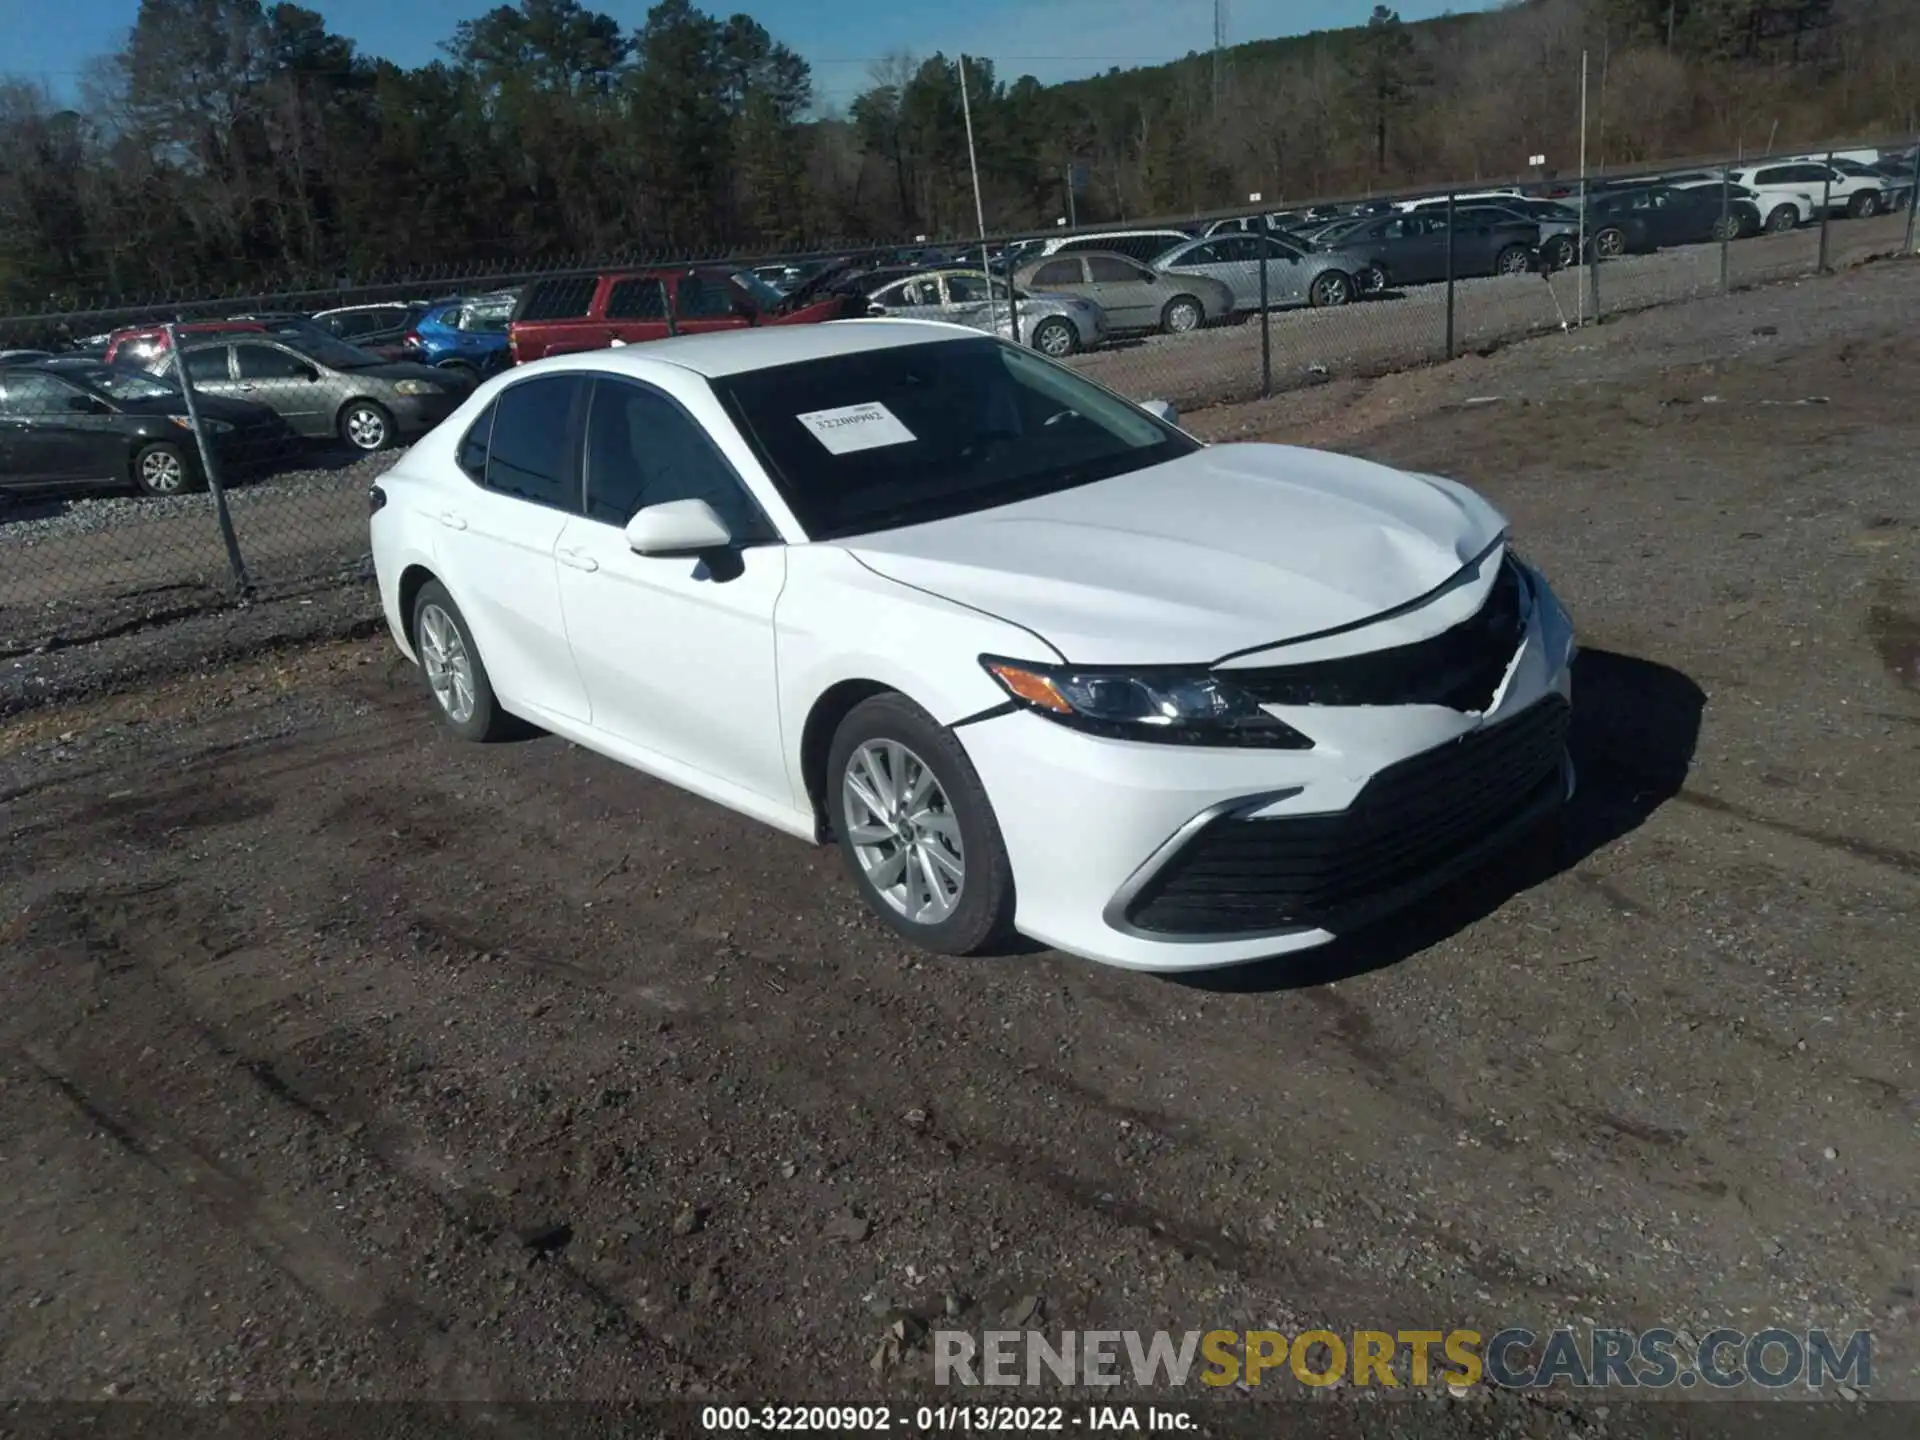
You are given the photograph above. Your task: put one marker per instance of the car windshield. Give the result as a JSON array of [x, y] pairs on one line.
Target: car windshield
[[119, 381], [316, 344], [900, 436]]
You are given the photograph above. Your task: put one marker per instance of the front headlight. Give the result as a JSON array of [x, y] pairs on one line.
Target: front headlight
[[415, 387], [212, 427], [1166, 706]]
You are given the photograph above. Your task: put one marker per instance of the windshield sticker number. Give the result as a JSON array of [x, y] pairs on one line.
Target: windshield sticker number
[[856, 427]]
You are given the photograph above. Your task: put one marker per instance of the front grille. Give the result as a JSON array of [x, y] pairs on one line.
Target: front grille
[[1414, 824], [1459, 668]]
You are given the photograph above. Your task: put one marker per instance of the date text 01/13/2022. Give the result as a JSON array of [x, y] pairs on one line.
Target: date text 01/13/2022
[[942, 1419]]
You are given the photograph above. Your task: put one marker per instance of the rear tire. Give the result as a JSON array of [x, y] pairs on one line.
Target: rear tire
[[909, 814], [1610, 243], [1781, 219], [1374, 280], [1865, 205], [451, 665], [1514, 260], [1182, 316], [1560, 252], [1726, 227]]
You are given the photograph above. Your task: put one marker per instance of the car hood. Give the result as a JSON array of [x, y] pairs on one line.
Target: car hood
[[1232, 548]]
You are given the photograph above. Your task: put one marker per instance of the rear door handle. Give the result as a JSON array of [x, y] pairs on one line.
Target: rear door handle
[[453, 521], [577, 559]]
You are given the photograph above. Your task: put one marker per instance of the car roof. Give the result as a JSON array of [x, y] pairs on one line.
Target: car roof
[[733, 352]]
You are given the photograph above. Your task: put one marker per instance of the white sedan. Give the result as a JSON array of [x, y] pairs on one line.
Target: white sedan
[[1034, 657]]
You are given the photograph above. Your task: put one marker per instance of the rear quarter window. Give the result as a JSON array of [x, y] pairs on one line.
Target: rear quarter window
[[562, 298]]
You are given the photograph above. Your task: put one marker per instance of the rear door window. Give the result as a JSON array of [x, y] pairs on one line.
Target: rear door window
[[1059, 272], [533, 451], [561, 298], [638, 298]]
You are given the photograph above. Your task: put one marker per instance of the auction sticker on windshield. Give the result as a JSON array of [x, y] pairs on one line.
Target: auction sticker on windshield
[[856, 427]]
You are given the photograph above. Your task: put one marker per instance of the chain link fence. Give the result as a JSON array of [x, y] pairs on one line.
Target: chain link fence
[[155, 462]]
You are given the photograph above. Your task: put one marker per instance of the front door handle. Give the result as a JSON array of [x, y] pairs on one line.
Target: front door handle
[[577, 559], [453, 521]]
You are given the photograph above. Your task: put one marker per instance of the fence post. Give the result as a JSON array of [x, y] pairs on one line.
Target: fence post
[[1450, 217], [1726, 221], [1913, 195], [1593, 274], [210, 468], [1826, 212], [1266, 321]]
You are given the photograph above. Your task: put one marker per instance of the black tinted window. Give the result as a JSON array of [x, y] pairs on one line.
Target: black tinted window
[[642, 449], [472, 454], [532, 453], [703, 297], [567, 298], [208, 364], [24, 392], [263, 362], [1110, 270], [1060, 272], [637, 300]]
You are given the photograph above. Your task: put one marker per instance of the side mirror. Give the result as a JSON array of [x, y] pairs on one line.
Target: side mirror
[[874, 307], [678, 527], [1161, 410]]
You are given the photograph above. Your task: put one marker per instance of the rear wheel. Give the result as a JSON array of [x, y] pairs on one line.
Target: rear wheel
[[1865, 205], [450, 662], [1056, 338], [1331, 287], [1781, 219], [1560, 252], [162, 469], [1610, 243], [916, 829], [1514, 260], [1726, 227], [1374, 279], [1182, 315]]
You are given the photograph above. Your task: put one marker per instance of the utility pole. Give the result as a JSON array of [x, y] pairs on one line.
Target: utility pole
[[1219, 55]]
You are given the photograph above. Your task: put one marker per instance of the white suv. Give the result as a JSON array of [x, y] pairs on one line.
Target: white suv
[[1860, 196]]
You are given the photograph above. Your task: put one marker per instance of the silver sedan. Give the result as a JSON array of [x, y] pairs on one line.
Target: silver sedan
[[1294, 276], [1055, 325]]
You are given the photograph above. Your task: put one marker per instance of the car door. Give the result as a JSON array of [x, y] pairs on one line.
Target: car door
[[637, 309], [964, 300], [1286, 271], [705, 303], [53, 433], [288, 383], [1236, 261], [498, 531], [677, 652], [1129, 293]]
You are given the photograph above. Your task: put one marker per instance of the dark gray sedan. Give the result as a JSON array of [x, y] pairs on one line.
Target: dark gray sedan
[[325, 389]]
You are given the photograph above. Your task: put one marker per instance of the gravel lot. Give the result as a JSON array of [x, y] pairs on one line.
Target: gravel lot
[[77, 572], [344, 1061]]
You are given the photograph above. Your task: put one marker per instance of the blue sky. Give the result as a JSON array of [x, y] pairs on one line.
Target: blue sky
[[52, 40]]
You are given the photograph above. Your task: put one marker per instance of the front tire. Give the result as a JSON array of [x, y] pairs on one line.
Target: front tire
[[1330, 287], [162, 469], [1782, 219], [1374, 280], [1864, 206], [450, 663], [1610, 243], [916, 829], [1183, 315], [1056, 339], [365, 426], [1514, 260], [1561, 252]]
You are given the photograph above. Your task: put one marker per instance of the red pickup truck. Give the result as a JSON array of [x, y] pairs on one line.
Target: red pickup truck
[[565, 314]]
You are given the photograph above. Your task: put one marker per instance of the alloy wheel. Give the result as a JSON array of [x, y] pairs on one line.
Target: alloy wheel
[[903, 831], [366, 427], [449, 667], [163, 472]]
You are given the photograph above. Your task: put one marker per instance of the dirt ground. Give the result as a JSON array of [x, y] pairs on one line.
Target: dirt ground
[[344, 1061]]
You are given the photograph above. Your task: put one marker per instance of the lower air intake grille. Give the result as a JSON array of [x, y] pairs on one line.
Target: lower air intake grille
[[1415, 821]]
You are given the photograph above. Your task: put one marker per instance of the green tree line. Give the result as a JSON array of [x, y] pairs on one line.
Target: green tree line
[[231, 144]]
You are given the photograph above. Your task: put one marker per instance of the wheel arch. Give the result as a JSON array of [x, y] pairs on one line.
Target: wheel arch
[[834, 704], [413, 579]]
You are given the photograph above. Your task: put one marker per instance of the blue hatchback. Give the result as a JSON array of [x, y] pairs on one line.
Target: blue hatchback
[[468, 334]]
